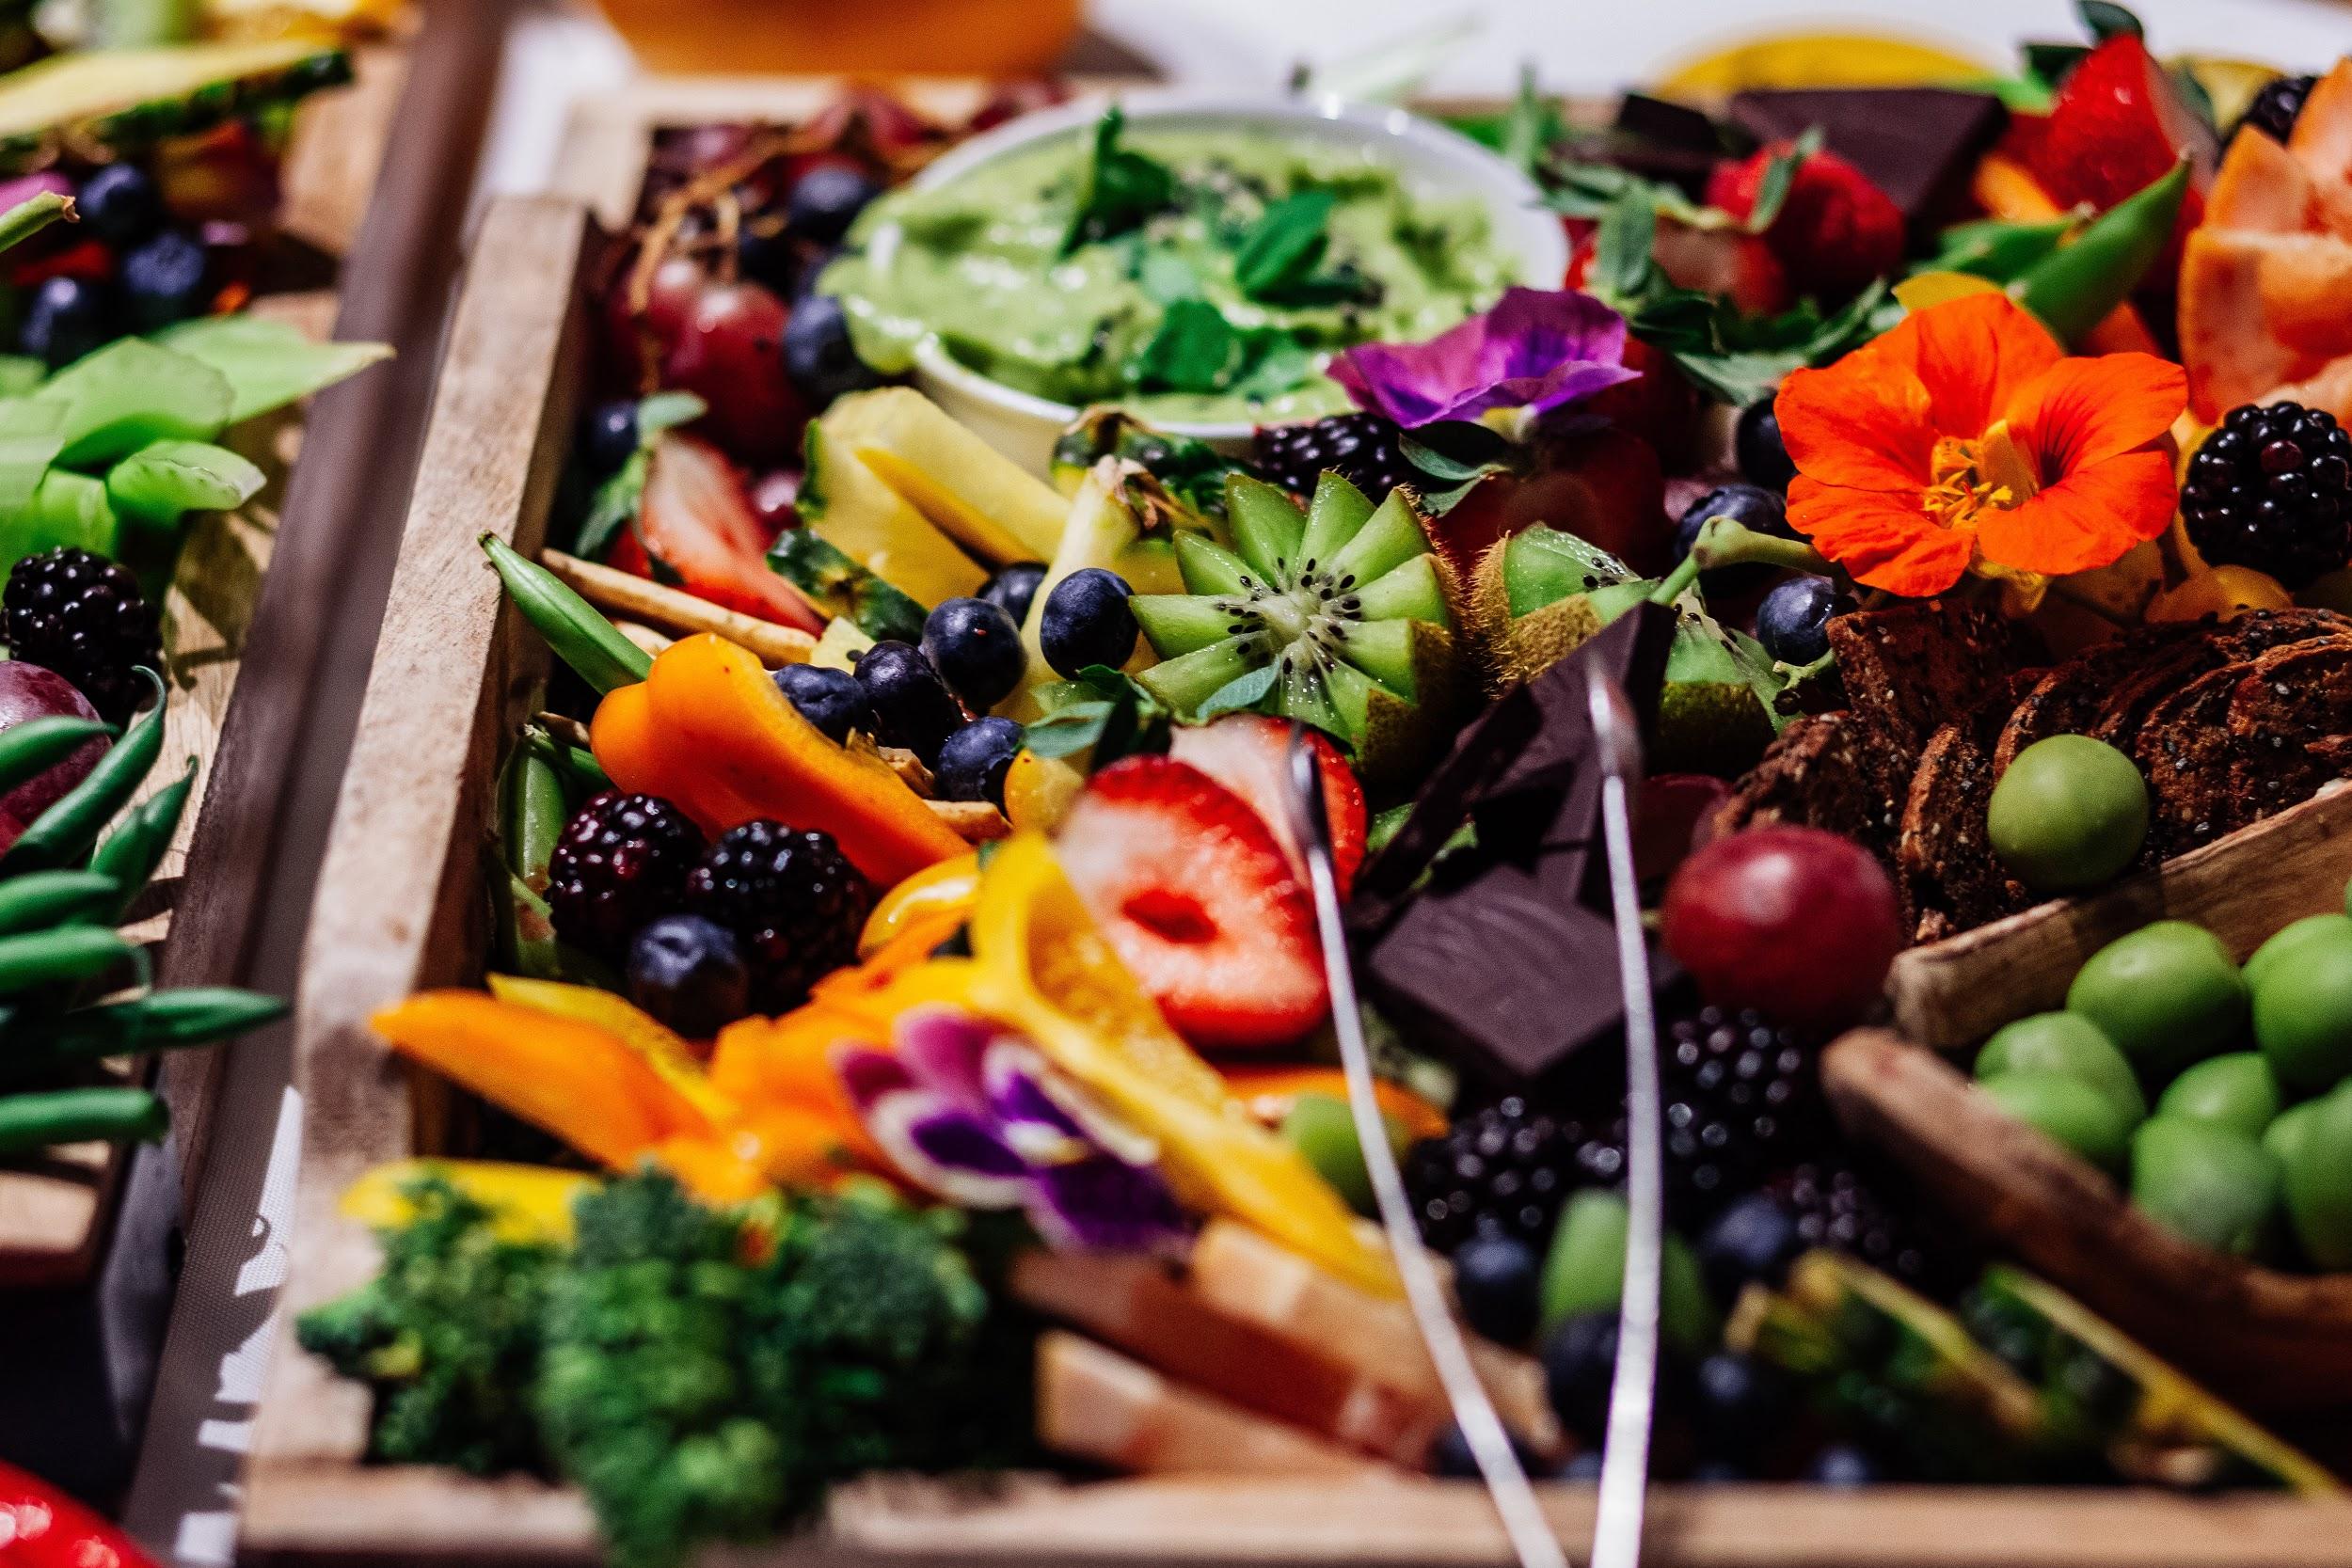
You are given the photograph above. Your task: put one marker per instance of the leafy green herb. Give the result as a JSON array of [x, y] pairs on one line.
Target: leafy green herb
[[2193, 93], [1455, 455], [2107, 20], [20, 374], [1194, 350], [1622, 268], [1239, 695], [1120, 187], [1281, 248], [2048, 67], [1102, 710], [269, 364], [1779, 178], [1533, 127], [163, 481], [131, 393], [622, 494], [1165, 278], [1737, 358]]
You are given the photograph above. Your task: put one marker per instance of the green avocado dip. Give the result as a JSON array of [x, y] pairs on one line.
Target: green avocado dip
[[1186, 275]]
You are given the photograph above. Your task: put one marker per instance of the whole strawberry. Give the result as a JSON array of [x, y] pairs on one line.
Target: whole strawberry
[[2116, 125], [1833, 233]]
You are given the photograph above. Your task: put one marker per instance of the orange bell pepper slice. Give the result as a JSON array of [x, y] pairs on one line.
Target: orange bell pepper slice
[[712, 733], [1271, 1091], [572, 1078]]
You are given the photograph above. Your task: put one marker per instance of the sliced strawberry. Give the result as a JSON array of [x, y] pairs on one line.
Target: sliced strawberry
[[696, 522], [1197, 896], [2117, 125], [1740, 267], [1249, 754]]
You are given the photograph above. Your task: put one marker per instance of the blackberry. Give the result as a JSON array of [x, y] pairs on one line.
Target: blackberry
[[1366, 448], [2272, 489], [621, 865], [1867, 1216], [1505, 1170], [793, 900], [2276, 106], [1740, 1097], [81, 615]]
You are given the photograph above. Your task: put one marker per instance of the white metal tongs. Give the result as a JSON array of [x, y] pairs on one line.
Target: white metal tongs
[[1618, 1526]]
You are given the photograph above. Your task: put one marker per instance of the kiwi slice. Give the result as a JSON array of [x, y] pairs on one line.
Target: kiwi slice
[[1338, 616], [1540, 594]]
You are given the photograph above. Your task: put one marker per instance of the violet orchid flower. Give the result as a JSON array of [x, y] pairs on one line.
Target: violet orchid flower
[[1537, 349], [978, 1118]]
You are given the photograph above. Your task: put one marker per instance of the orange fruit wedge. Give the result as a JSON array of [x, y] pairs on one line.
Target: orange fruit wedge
[[2266, 306]]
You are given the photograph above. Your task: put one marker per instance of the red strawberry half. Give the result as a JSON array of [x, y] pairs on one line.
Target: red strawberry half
[[695, 522], [2117, 125], [1197, 896], [1835, 230], [1249, 754]]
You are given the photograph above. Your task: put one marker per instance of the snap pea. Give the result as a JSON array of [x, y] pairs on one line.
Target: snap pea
[[32, 1122], [61, 835], [533, 810], [40, 900], [33, 748], [583, 775], [574, 629], [68, 954], [131, 853], [167, 1019], [2075, 286]]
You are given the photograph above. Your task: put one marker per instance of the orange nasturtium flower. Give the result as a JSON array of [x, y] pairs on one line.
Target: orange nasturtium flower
[[1966, 441]]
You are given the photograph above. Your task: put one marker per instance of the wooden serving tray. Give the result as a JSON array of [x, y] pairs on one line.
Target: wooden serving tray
[[403, 905], [56, 1215]]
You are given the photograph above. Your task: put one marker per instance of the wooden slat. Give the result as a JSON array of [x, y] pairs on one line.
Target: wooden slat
[[398, 905]]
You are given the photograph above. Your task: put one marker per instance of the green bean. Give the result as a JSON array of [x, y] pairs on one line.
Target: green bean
[[61, 835], [41, 899], [132, 852], [583, 775], [31, 1122], [2075, 286], [166, 1020], [574, 629], [68, 954], [33, 748], [531, 812]]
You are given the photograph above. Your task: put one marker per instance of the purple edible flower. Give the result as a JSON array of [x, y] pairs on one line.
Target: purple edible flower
[[1537, 349], [979, 1118]]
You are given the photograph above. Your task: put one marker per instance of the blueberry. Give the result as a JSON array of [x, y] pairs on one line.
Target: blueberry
[[1738, 1403], [818, 356], [1752, 1241], [1495, 1279], [833, 699], [826, 201], [976, 647], [1014, 587], [767, 255], [1750, 504], [68, 317], [1580, 1360], [1792, 622], [1756, 447], [972, 761], [1088, 621], [167, 279], [608, 437], [1449, 1456], [1844, 1464], [689, 973], [912, 707], [1584, 1467], [120, 204]]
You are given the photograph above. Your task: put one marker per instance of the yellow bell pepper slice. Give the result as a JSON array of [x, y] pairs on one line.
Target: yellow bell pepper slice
[[532, 1203], [1041, 965], [949, 887]]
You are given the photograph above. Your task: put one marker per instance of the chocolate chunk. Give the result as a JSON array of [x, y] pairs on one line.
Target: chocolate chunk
[[1499, 953], [1916, 143], [1662, 122]]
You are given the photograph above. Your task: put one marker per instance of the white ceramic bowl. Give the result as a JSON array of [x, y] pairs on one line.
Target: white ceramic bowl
[[1433, 161]]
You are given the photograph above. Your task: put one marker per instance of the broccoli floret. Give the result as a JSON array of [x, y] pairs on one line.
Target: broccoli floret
[[447, 1336], [707, 1374]]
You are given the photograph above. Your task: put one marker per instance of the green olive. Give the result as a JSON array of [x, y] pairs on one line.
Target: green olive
[[1322, 1128], [1584, 1272], [2066, 1043], [2067, 1110], [2319, 1179], [2291, 940], [2238, 1091], [2070, 812], [2211, 1183], [2168, 995], [2303, 1017], [2285, 1135]]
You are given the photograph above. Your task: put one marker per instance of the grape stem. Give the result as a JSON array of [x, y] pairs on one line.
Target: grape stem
[[33, 214], [1724, 541]]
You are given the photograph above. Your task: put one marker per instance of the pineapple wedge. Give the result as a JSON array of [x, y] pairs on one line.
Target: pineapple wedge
[[978, 496], [849, 506], [838, 648]]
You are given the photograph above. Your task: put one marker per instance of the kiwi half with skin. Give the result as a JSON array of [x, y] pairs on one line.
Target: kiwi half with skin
[[1340, 617], [1541, 593]]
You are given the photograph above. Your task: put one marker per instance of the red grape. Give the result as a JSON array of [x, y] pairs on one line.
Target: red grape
[[677, 288], [1799, 923], [27, 691], [730, 354], [1666, 818]]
